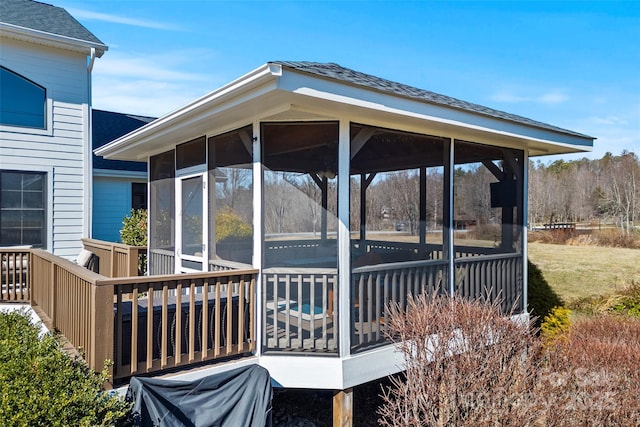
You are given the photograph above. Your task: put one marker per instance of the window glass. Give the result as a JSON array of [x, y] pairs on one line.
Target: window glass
[[22, 102], [138, 195], [22, 209]]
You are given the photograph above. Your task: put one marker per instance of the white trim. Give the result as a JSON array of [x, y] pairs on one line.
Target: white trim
[[179, 256], [50, 39], [525, 217], [87, 199], [49, 171], [258, 239], [244, 84], [344, 243], [114, 173]]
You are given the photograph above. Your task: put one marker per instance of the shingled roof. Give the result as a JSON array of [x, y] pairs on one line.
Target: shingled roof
[[107, 126], [46, 18], [346, 75]]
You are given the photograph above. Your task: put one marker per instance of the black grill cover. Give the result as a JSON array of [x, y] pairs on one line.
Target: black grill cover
[[239, 397]]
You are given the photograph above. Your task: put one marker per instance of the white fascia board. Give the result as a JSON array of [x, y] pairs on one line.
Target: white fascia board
[[50, 39], [115, 173], [372, 365], [194, 111], [351, 96], [302, 371]]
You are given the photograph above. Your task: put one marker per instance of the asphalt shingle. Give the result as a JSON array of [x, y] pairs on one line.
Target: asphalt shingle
[[44, 17], [337, 72]]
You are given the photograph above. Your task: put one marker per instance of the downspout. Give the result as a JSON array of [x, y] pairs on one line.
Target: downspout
[[88, 206]]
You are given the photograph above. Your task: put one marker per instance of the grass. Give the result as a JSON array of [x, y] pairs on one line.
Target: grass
[[577, 272]]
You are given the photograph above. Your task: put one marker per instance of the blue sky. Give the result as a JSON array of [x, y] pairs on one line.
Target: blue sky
[[573, 64]]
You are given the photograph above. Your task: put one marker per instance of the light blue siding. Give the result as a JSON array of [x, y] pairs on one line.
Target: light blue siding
[[111, 203]]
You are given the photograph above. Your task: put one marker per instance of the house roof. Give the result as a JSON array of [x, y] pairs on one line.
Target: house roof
[[109, 125], [309, 91], [337, 72], [46, 19]]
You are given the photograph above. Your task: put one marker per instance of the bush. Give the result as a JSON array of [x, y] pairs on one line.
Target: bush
[[134, 233], [134, 228], [229, 226], [466, 365], [556, 324], [541, 297], [42, 385], [592, 376]]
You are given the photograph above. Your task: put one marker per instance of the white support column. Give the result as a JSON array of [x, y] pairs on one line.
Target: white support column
[[344, 242], [257, 231], [448, 214], [525, 221]]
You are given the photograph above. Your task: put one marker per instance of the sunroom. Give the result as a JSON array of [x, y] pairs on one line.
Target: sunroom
[[347, 192]]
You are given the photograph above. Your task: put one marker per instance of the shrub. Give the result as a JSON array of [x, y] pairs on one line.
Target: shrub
[[134, 228], [42, 385], [556, 324], [592, 376], [230, 226], [541, 297], [134, 233], [466, 364]]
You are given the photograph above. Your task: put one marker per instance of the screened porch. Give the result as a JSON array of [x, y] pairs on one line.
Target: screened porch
[[415, 214]]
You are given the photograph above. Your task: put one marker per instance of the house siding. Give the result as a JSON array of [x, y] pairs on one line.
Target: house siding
[[111, 203], [61, 149]]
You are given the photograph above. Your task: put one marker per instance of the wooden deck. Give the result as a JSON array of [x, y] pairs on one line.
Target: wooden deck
[[151, 324]]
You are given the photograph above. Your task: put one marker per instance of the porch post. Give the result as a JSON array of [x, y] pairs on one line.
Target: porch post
[[363, 210], [422, 222], [257, 233], [325, 205], [344, 242], [343, 408], [447, 213]]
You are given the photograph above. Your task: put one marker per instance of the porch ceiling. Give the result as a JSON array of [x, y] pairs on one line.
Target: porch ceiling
[[278, 92]]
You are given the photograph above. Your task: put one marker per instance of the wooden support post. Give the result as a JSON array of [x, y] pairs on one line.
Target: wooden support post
[[343, 408]]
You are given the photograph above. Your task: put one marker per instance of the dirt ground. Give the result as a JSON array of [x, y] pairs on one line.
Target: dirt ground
[[306, 408]]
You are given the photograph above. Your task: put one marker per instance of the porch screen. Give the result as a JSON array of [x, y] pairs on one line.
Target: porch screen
[[162, 214], [230, 162], [488, 194], [300, 194]]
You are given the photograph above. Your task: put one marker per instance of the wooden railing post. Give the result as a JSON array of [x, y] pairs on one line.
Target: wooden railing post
[[101, 344]]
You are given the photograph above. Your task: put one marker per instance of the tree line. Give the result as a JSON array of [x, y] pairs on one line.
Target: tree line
[[605, 190]]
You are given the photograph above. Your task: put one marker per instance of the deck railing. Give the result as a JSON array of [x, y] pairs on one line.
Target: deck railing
[[298, 309], [117, 259], [374, 287], [491, 277], [163, 322], [210, 316], [14, 274], [161, 261]]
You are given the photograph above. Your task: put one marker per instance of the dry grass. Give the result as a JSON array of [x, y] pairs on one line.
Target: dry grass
[[577, 272]]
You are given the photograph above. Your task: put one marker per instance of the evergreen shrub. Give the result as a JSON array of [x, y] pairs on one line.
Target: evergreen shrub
[[41, 385]]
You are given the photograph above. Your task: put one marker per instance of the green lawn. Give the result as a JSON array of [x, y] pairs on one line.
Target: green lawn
[[583, 271]]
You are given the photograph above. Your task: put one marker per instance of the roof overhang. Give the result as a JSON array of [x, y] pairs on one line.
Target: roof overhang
[[49, 39], [275, 92]]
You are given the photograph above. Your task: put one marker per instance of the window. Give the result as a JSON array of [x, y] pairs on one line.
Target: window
[[22, 102], [23, 209], [138, 195]]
